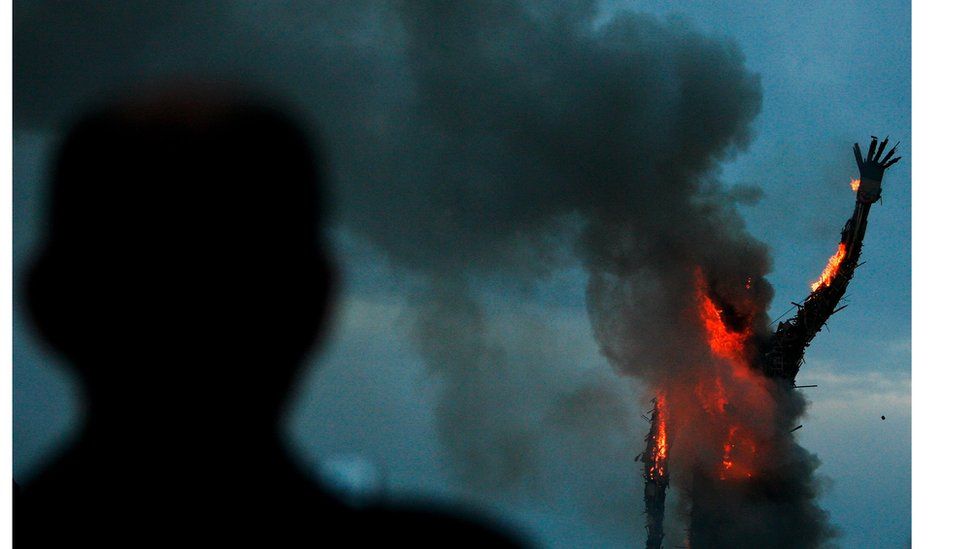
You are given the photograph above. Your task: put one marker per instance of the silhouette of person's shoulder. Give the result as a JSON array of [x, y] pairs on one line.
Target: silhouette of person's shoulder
[[72, 504]]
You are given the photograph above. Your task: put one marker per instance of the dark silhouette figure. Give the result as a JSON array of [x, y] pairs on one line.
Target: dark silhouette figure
[[185, 276]]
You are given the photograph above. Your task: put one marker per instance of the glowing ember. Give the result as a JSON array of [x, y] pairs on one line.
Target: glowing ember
[[727, 454], [855, 184], [713, 402], [737, 453], [830, 271]]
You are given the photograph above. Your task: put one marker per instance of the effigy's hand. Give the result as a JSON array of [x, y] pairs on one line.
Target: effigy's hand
[[872, 168]]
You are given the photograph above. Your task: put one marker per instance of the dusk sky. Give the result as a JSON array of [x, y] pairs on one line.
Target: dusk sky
[[830, 74]]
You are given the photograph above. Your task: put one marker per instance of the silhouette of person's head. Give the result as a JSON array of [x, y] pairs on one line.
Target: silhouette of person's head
[[185, 277], [184, 273]]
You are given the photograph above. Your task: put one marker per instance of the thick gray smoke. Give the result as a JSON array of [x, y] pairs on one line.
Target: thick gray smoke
[[480, 146]]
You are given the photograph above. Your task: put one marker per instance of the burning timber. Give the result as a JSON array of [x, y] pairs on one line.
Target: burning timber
[[738, 477], [655, 464]]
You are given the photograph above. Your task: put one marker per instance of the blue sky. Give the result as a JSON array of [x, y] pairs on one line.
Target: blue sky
[[832, 73]]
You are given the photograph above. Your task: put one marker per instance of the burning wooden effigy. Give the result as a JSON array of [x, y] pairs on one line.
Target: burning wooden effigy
[[740, 410]]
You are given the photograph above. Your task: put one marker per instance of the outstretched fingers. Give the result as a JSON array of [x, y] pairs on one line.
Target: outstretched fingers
[[881, 149], [872, 148], [890, 153], [874, 154]]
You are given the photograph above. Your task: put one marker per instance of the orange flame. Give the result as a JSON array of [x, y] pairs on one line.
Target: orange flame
[[830, 271], [661, 449], [723, 342], [855, 184], [739, 451]]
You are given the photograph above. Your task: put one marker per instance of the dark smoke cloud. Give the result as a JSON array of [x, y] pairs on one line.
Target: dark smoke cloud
[[480, 146], [530, 122]]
